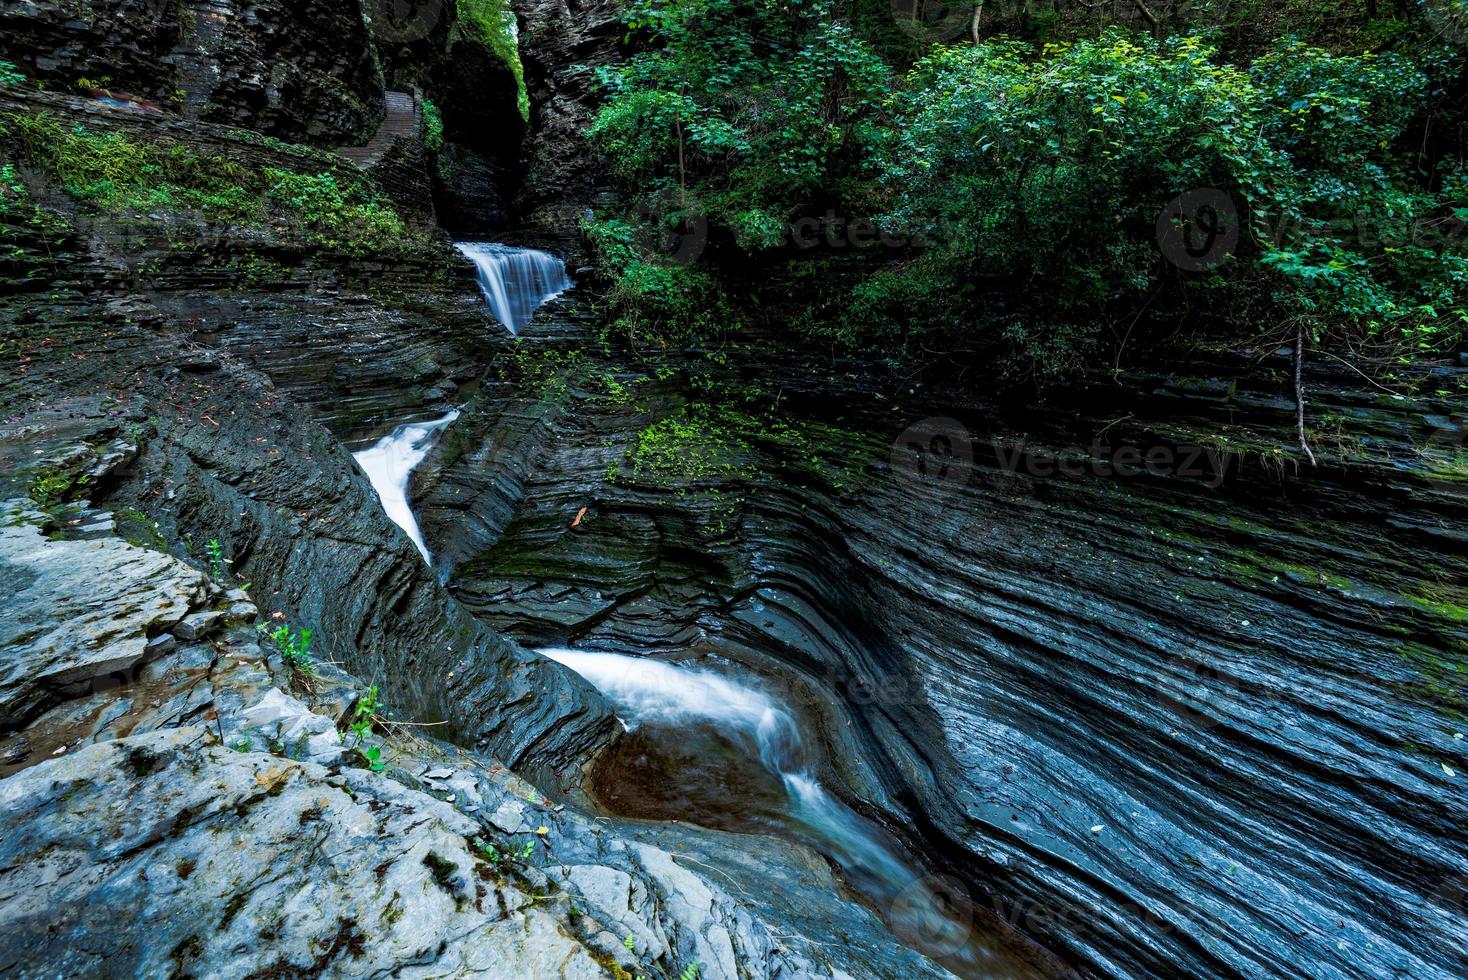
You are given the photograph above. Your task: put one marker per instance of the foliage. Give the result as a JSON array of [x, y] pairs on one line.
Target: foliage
[[492, 23], [217, 562], [654, 302], [364, 716], [115, 172], [1048, 174], [769, 107], [351, 218], [1023, 188], [9, 74], [294, 647], [432, 126]]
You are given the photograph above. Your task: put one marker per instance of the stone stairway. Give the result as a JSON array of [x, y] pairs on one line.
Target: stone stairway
[[401, 122]]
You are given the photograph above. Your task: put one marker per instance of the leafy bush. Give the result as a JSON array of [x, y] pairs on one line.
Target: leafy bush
[[1049, 173], [432, 127], [351, 219], [1036, 178], [757, 111], [651, 299]]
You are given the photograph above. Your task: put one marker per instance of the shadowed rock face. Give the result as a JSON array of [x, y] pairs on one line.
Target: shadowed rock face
[[1165, 727], [301, 71], [561, 45]]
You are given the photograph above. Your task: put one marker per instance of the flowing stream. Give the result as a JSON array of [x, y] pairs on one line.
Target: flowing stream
[[515, 281], [924, 912], [389, 463]]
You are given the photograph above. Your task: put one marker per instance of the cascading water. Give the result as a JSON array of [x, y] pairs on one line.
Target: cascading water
[[923, 911], [516, 281], [389, 463]]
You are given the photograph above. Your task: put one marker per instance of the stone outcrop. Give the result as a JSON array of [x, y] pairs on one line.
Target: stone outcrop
[[1164, 722], [230, 829], [300, 71], [228, 456], [562, 42]]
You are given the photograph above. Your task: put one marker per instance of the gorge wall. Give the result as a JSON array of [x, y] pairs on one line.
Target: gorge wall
[[1161, 724]]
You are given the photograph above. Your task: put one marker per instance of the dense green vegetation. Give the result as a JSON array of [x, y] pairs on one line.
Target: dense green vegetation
[[114, 172], [1042, 201]]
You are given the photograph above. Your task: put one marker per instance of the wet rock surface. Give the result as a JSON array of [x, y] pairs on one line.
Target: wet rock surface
[[1164, 724], [201, 414], [443, 864], [298, 71], [1161, 722]]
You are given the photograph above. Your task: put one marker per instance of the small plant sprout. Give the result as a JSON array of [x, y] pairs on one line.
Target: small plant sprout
[[364, 716], [217, 562], [295, 649]]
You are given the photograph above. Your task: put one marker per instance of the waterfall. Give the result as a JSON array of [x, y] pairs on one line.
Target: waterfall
[[515, 281], [646, 691], [389, 463]]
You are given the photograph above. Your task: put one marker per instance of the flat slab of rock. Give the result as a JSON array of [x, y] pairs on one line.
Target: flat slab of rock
[[80, 611], [211, 862]]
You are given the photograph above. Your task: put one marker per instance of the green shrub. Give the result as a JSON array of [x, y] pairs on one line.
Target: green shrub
[[115, 172], [432, 127]]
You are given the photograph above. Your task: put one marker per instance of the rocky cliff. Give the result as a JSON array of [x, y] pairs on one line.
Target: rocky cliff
[[300, 71], [1117, 670], [181, 506], [1127, 671]]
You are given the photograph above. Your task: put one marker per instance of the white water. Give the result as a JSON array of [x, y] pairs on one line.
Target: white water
[[389, 463], [515, 281], [652, 691], [922, 910]]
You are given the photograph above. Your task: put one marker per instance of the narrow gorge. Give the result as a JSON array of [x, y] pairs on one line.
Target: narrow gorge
[[692, 489]]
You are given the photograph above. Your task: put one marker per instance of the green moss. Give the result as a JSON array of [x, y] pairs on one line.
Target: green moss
[[538, 369], [117, 173], [137, 528], [492, 23], [52, 487]]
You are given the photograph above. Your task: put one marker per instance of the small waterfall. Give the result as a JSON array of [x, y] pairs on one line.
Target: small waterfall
[[390, 462], [515, 281], [646, 691]]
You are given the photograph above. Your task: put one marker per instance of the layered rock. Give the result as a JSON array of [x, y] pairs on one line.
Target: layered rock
[[301, 71], [102, 327], [562, 44], [228, 828], [1163, 721]]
